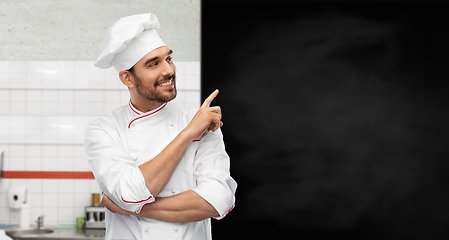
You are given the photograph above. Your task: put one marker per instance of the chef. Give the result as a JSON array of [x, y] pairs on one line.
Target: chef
[[163, 169]]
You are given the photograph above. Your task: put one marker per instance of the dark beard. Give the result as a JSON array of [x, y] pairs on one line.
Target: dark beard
[[156, 96]]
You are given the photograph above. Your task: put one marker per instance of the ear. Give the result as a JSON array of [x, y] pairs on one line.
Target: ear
[[126, 78]]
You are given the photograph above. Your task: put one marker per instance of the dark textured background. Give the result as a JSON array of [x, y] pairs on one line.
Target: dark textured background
[[336, 117]]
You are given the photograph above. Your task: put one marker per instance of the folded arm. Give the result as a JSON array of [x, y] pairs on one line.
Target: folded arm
[[184, 207], [212, 197]]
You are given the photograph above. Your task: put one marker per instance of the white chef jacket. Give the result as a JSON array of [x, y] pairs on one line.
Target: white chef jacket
[[117, 144]]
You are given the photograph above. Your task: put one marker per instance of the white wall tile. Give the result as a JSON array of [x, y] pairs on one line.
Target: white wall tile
[[192, 82], [49, 108], [66, 215], [18, 66], [50, 164], [18, 108], [192, 67], [66, 80], [66, 96], [4, 95], [18, 96], [96, 80], [17, 151], [4, 108], [4, 202], [17, 164], [66, 186], [4, 185], [4, 122], [4, 67], [66, 200], [34, 66], [81, 109], [34, 199], [82, 67], [35, 212], [4, 135], [34, 185], [33, 108], [49, 200], [65, 109], [66, 67], [17, 79], [81, 80], [49, 151], [51, 215], [96, 96], [65, 164], [4, 79], [50, 185], [4, 216], [18, 135], [50, 135], [80, 164], [34, 80], [83, 199], [33, 164], [33, 150]]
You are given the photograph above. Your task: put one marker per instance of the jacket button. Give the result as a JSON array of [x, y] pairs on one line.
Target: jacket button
[[147, 229], [176, 229], [173, 191]]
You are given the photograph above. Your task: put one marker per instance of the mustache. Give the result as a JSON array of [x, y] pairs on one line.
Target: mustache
[[167, 78]]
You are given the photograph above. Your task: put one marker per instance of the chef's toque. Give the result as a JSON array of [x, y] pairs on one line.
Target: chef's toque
[[128, 41]]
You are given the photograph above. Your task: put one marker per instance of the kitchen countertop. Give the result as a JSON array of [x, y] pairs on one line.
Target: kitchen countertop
[[63, 233]]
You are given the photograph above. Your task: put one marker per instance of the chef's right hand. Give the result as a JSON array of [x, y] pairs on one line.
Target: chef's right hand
[[206, 119]]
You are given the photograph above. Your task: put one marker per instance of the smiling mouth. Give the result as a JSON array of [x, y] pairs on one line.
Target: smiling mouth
[[165, 84]]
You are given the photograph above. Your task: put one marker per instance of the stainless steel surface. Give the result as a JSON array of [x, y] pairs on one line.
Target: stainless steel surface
[[19, 233], [54, 233]]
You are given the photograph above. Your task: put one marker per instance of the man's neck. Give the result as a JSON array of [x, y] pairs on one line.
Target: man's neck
[[144, 105]]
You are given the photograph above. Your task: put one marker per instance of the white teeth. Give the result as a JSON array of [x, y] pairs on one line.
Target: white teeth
[[166, 83]]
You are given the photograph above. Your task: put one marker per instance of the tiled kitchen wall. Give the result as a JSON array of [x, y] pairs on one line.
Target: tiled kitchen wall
[[44, 109]]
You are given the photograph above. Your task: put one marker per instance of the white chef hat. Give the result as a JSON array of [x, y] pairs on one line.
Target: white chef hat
[[128, 41]]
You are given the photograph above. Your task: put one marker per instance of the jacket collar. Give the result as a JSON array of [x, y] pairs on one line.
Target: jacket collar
[[139, 115]]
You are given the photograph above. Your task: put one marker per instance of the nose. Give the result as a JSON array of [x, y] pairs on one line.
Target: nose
[[169, 69]]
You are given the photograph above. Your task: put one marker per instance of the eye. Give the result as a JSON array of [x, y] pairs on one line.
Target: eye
[[169, 59], [153, 64]]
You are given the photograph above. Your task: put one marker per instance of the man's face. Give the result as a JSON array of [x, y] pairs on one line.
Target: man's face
[[155, 76]]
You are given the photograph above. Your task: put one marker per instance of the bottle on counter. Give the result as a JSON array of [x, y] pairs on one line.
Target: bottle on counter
[[24, 215]]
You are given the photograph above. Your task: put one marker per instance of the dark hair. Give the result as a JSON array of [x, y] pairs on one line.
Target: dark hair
[[131, 70]]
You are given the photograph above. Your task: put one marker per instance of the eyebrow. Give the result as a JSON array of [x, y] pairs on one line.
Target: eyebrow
[[155, 58]]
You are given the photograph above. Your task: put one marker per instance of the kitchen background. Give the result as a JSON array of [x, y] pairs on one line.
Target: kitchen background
[[50, 90]]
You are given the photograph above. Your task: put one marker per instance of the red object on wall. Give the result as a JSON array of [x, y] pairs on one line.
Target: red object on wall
[[47, 175]]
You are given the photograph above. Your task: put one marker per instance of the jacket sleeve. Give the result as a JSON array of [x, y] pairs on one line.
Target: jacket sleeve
[[213, 179], [114, 169]]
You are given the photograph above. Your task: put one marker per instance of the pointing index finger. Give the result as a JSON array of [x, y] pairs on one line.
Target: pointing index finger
[[209, 99]]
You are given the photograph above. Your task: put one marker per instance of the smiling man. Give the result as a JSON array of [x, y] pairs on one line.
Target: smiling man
[[163, 169]]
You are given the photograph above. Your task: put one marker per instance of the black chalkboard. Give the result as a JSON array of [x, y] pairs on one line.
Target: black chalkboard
[[335, 117]]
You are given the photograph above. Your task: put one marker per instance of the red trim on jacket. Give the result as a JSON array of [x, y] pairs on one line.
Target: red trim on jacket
[[137, 201], [132, 108], [129, 125], [229, 210]]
